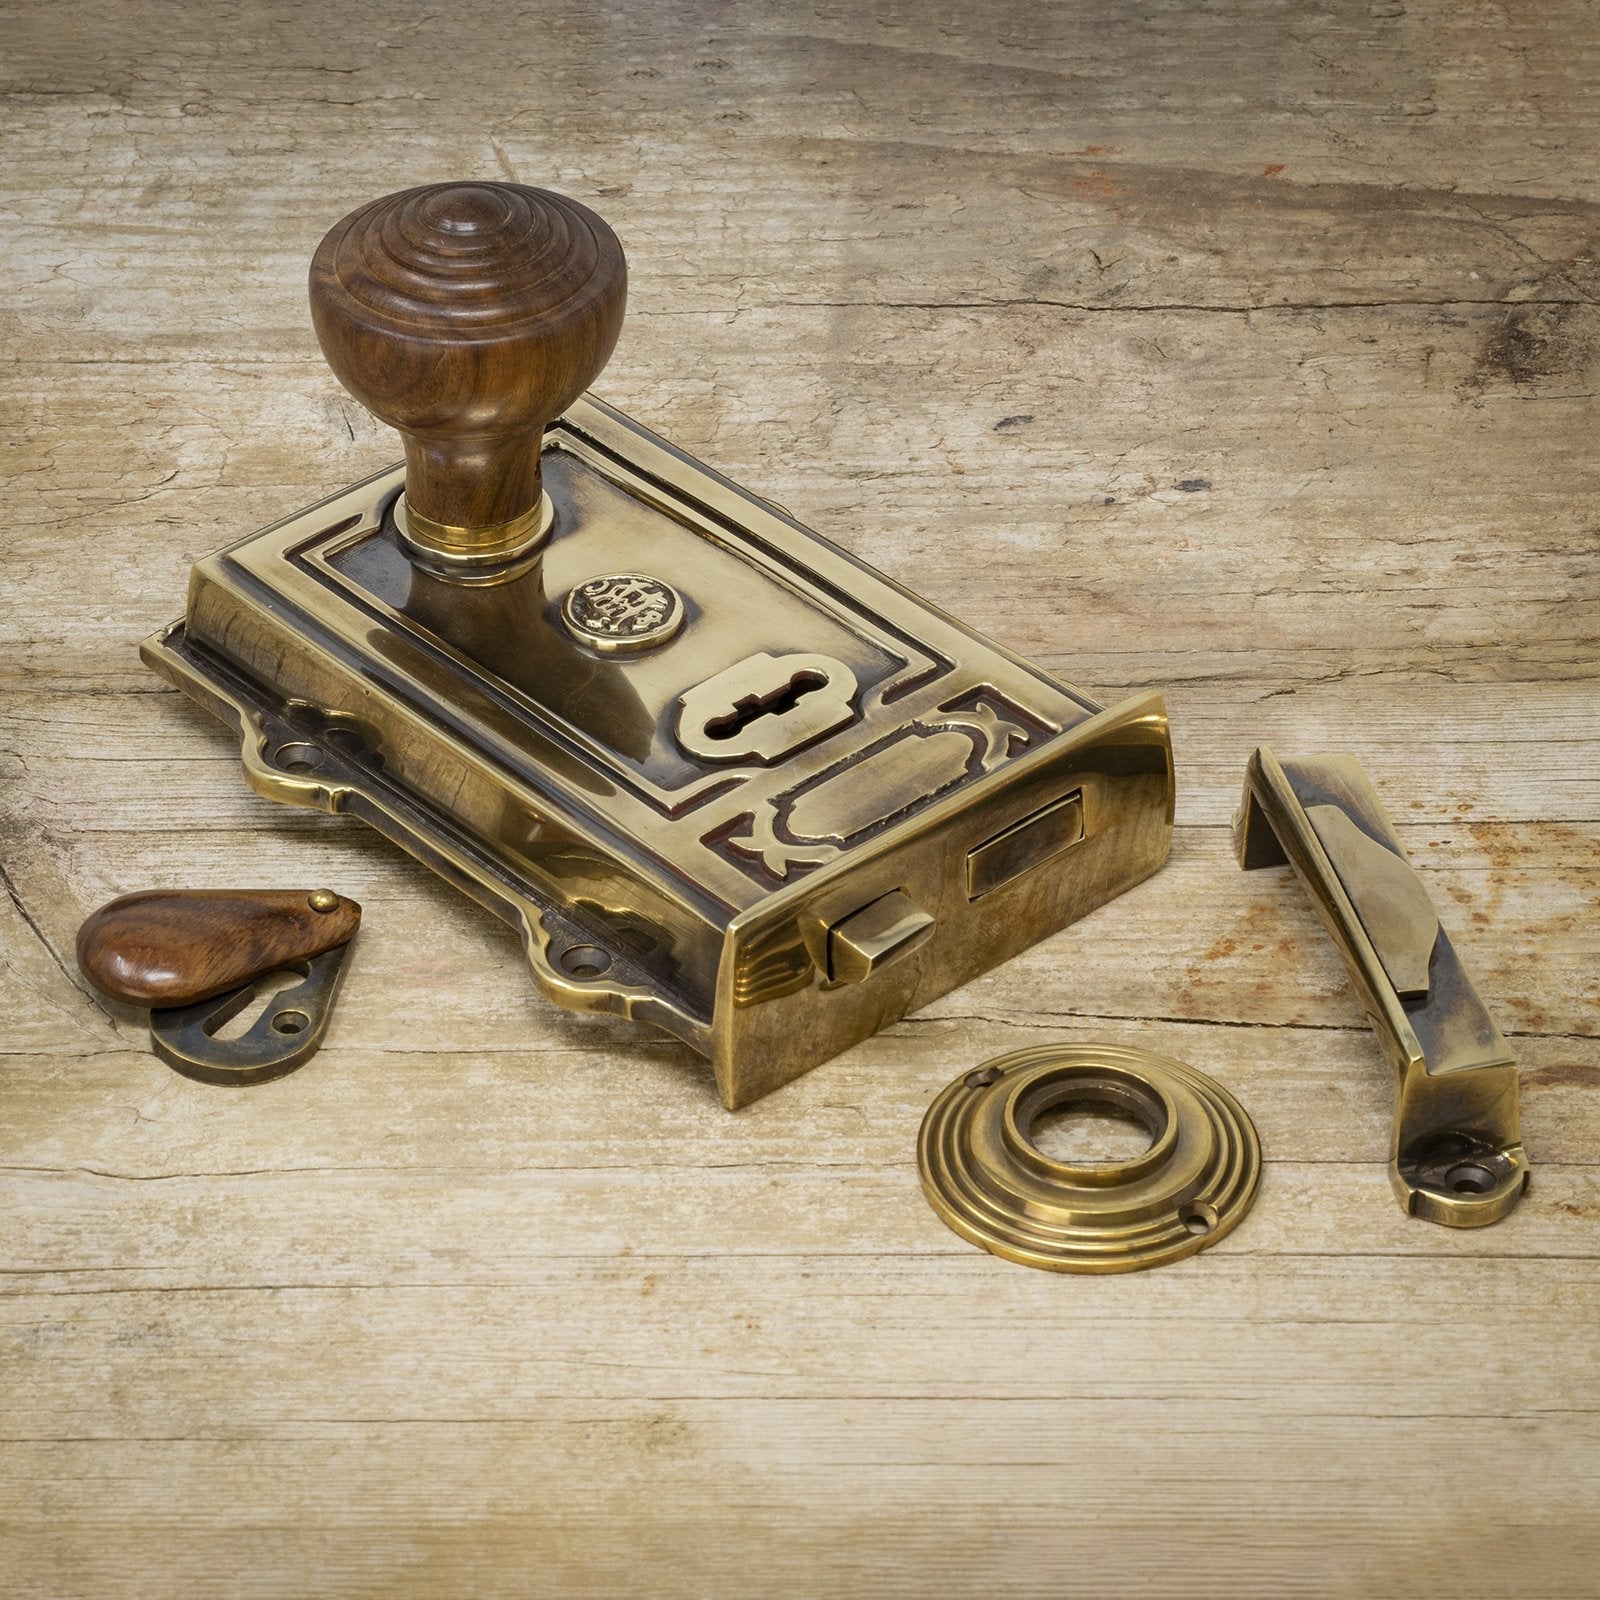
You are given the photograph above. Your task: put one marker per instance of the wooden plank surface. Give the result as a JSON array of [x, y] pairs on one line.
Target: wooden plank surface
[[1247, 350]]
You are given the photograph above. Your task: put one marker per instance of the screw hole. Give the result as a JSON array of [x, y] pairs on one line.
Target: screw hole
[[297, 758], [291, 1022], [982, 1077], [1198, 1218], [1470, 1178], [584, 961]]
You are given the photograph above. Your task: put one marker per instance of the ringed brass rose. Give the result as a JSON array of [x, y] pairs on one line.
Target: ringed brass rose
[[987, 1179], [1456, 1156], [724, 777]]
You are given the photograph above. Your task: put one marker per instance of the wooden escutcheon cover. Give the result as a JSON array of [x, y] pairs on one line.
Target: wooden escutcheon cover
[[173, 947]]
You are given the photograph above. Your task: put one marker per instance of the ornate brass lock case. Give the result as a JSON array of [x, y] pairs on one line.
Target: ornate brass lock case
[[723, 777], [694, 832]]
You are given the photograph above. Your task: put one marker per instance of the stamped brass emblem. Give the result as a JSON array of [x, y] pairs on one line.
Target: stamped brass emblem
[[622, 612]]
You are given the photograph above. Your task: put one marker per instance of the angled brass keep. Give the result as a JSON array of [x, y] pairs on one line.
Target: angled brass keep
[[1457, 1155]]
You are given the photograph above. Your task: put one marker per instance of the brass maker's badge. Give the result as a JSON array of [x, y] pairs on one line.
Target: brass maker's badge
[[623, 611]]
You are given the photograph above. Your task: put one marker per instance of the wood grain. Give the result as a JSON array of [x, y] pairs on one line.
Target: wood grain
[[469, 315], [173, 947], [1246, 350]]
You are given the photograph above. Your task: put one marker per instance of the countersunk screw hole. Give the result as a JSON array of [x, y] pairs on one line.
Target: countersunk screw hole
[[1198, 1218], [982, 1077], [297, 758], [1470, 1178], [291, 1022], [584, 961]]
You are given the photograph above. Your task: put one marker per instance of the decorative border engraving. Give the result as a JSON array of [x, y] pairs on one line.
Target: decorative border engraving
[[818, 820]]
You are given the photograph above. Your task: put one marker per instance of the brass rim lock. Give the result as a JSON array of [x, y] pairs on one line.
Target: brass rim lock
[[985, 1176], [723, 778]]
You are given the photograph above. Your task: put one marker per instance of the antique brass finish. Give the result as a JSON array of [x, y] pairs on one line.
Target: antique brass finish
[[474, 555], [986, 1178], [679, 830], [549, 781], [285, 1036], [869, 939], [1457, 1155]]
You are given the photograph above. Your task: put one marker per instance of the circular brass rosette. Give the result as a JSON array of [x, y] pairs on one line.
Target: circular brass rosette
[[986, 1178]]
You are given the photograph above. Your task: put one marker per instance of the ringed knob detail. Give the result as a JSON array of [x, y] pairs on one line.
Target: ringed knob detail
[[468, 316]]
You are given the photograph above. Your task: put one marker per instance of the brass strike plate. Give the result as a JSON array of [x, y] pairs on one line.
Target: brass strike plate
[[677, 829], [1456, 1157]]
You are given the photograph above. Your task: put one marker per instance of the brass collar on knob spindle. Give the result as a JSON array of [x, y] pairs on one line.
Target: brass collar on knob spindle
[[475, 555], [469, 316]]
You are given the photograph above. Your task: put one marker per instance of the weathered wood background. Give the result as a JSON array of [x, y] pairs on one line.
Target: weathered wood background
[[1246, 349]]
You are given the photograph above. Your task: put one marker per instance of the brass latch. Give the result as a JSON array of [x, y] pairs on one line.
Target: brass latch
[[891, 926], [1457, 1155]]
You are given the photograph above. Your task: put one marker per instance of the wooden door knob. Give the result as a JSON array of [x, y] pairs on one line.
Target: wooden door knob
[[468, 316]]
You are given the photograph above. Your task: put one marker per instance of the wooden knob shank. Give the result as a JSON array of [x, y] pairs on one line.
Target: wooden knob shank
[[468, 316]]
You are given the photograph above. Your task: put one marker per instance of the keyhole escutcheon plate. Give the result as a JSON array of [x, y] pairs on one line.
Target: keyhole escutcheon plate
[[765, 707]]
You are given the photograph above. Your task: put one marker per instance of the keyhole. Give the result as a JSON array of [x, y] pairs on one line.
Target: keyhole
[[775, 703], [262, 997]]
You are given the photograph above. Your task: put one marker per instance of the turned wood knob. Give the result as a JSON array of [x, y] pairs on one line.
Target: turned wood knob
[[468, 315], [172, 947]]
